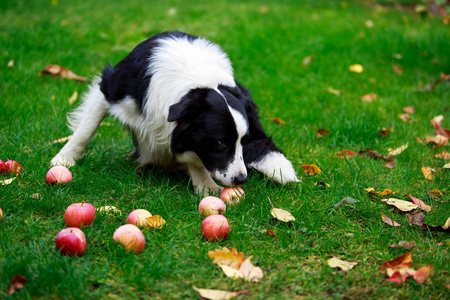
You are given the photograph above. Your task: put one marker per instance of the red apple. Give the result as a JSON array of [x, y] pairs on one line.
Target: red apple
[[215, 227], [2, 167], [138, 217], [12, 167], [78, 214], [232, 195], [131, 238], [58, 175], [212, 206], [71, 241]]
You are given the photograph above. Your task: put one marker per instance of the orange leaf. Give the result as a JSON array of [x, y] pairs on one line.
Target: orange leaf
[[62, 72], [17, 282], [278, 121], [345, 154], [311, 169], [386, 192], [369, 97], [409, 109], [421, 275], [427, 173], [389, 221], [383, 132], [226, 257], [155, 221], [403, 261]]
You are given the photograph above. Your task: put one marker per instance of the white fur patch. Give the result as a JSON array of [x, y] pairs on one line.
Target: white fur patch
[[276, 166]]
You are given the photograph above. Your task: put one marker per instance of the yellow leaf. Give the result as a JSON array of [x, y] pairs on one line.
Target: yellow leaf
[[73, 98], [386, 192], [311, 169], [226, 257], [344, 265], [447, 224], [249, 272], [7, 181], [217, 294], [155, 222], [398, 150], [401, 204], [230, 271], [371, 190], [62, 140], [428, 173], [278, 121], [282, 215], [356, 68], [446, 166], [334, 91]]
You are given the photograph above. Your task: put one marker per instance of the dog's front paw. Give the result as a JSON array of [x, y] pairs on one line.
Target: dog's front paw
[[276, 166], [63, 160], [208, 190]]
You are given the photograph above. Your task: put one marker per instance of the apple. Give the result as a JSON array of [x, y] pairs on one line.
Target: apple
[[71, 241], [12, 167], [2, 167], [131, 238], [232, 195], [215, 227], [78, 214], [138, 217], [212, 206], [58, 175]]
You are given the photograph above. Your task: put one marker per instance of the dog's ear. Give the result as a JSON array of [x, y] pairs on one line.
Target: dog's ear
[[190, 106]]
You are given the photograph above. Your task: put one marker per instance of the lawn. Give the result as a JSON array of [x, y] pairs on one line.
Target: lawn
[[400, 50]]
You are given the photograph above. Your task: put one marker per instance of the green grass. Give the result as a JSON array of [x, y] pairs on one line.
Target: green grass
[[267, 50]]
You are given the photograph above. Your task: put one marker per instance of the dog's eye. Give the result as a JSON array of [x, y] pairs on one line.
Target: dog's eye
[[222, 142]]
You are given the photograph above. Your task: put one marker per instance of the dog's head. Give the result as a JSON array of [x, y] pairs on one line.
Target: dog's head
[[212, 123]]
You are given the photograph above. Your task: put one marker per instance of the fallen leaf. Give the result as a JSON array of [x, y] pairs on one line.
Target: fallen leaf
[[415, 218], [428, 173], [438, 140], [344, 154], [383, 132], [282, 215], [446, 166], [344, 265], [278, 121], [369, 24], [229, 271], [371, 190], [446, 225], [421, 205], [405, 117], [249, 272], [430, 86], [399, 276], [375, 155], [397, 69], [17, 282], [435, 192], [217, 294], [389, 221], [437, 120], [7, 181], [400, 204], [346, 200], [270, 233], [322, 184], [441, 131], [398, 150], [421, 275], [62, 72], [311, 169], [386, 192], [443, 155], [10, 63], [403, 244], [322, 132], [62, 140], [369, 97], [226, 257], [356, 68], [307, 60], [155, 221], [73, 98], [409, 109], [402, 261], [334, 91], [390, 165]]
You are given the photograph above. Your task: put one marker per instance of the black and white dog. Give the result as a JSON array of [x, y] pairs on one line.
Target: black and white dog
[[177, 95]]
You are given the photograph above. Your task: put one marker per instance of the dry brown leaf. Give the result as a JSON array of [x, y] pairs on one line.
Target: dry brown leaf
[[443, 155], [11, 63], [389, 221], [307, 60], [397, 69], [438, 140], [415, 218], [322, 132], [400, 204], [403, 261], [375, 155], [155, 221], [344, 265], [62, 72], [345, 154], [437, 120], [403, 244], [73, 98], [428, 173], [369, 97], [419, 203], [282, 215], [383, 132], [226, 257], [390, 165], [441, 130], [421, 275], [311, 169], [249, 272], [17, 282], [278, 121], [217, 294], [356, 68], [409, 109], [405, 117], [398, 150]]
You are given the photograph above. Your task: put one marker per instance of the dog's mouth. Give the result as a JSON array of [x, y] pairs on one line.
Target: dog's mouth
[[227, 179]]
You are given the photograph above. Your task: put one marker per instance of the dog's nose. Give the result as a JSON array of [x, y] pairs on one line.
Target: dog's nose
[[239, 179]]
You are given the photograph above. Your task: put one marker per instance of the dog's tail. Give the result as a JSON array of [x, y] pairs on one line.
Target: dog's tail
[[92, 101]]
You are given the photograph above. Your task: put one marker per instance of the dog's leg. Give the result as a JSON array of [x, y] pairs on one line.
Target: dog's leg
[[84, 121], [276, 166], [202, 181]]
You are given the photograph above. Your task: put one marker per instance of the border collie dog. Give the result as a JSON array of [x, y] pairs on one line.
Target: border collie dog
[[177, 95]]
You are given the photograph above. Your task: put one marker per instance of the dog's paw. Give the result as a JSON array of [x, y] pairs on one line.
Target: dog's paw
[[276, 166], [208, 189], [63, 160]]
